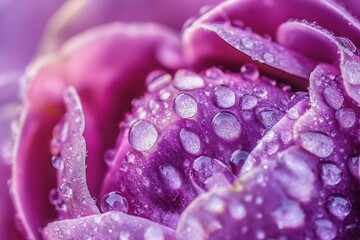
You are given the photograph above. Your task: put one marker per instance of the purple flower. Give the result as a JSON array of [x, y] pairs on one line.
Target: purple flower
[[246, 126]]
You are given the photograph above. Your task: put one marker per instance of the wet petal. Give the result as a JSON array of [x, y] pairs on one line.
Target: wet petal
[[91, 64], [185, 140], [111, 225]]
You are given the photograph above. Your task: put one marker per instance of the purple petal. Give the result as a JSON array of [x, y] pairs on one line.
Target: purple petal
[[112, 225]]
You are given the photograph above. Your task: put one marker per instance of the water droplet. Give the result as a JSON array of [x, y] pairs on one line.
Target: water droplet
[[109, 156], [317, 143], [215, 205], [248, 102], [293, 113], [226, 126], [330, 174], [325, 230], [190, 142], [237, 211], [171, 176], [268, 57], [333, 97], [202, 169], [285, 136], [353, 166], [246, 42], [164, 95], [130, 157], [185, 106], [57, 162], [154, 233], [250, 72], [351, 70], [124, 235], [54, 196], [338, 206], [260, 91], [187, 80], [154, 106], [237, 160], [348, 47], [66, 190], [214, 73], [157, 80], [346, 117], [260, 234], [224, 97], [114, 201], [143, 135], [268, 117], [289, 215]]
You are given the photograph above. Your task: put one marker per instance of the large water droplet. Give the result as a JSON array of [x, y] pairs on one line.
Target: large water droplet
[[333, 97], [224, 97], [187, 80], [250, 72], [226, 126], [268, 117], [330, 174], [268, 57], [57, 162], [289, 215], [157, 80], [351, 70], [260, 91], [338, 206], [347, 46], [114, 201], [185, 106], [237, 160], [171, 176], [317, 143], [143, 135], [66, 190], [293, 114], [346, 117], [190, 142], [248, 102], [109, 156], [325, 230]]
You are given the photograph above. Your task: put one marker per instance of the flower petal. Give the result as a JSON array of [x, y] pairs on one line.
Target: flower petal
[[112, 225]]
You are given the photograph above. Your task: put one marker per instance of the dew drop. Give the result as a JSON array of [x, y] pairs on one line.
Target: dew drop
[[353, 166], [333, 97], [293, 114], [109, 156], [246, 42], [226, 126], [215, 205], [268, 57], [214, 73], [237, 211], [66, 190], [143, 135], [248, 102], [164, 95], [154, 233], [330, 174], [185, 106], [57, 162], [250, 72], [348, 47], [260, 234], [346, 117], [154, 106], [325, 230], [171, 176], [338, 206], [187, 80], [289, 215], [54, 196], [317, 143], [114, 201], [190, 142], [237, 160], [260, 91], [268, 117], [157, 80], [130, 157], [224, 97], [285, 136], [351, 71]]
